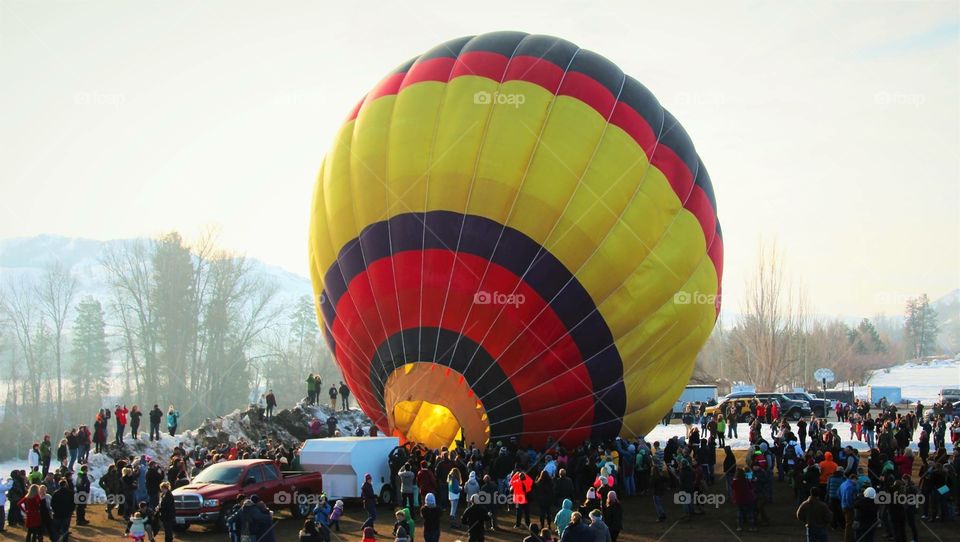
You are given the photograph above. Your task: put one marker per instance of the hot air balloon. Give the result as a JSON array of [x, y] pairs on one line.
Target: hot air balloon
[[511, 238]]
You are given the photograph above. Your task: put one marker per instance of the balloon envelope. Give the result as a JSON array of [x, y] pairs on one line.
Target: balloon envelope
[[510, 238]]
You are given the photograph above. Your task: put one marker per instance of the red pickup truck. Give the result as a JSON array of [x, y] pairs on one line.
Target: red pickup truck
[[212, 493]]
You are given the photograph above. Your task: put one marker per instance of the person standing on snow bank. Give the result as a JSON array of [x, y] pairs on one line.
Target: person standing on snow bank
[[135, 415], [311, 390], [155, 416], [271, 400], [120, 414], [173, 418], [333, 397], [345, 396]]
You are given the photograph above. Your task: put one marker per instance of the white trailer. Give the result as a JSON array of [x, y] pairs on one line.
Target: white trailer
[[344, 461]]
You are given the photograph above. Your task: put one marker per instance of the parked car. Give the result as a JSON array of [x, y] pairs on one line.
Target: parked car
[[819, 407], [213, 492], [951, 395], [791, 408]]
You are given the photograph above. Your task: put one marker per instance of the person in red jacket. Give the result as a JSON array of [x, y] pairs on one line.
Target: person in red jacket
[[762, 412], [520, 485], [774, 411], [904, 463], [121, 416], [745, 499], [30, 507], [426, 481]]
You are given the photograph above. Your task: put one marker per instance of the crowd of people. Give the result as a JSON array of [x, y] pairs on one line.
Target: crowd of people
[[554, 492], [576, 494]]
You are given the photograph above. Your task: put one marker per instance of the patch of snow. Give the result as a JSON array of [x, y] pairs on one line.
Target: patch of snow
[[918, 381]]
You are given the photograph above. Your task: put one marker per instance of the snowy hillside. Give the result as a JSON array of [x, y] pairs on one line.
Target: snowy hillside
[[288, 426], [918, 381]]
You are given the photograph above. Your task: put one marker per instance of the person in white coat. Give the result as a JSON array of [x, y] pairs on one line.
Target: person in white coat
[[33, 456], [5, 486]]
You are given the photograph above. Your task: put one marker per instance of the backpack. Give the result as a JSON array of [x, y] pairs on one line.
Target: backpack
[[790, 452], [643, 461], [760, 460]]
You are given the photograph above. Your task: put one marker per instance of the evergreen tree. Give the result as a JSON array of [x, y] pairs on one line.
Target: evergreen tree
[[921, 327], [91, 356], [865, 339]]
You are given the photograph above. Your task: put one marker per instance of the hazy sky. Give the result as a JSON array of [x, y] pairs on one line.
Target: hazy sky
[[832, 127]]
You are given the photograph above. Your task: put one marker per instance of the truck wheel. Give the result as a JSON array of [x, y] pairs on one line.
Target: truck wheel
[[386, 495], [794, 414], [181, 527], [301, 506]]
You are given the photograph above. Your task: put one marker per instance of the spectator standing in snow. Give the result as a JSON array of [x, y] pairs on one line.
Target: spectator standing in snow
[[311, 389], [344, 396], [271, 403], [135, 415], [120, 415], [173, 418], [155, 416], [333, 396]]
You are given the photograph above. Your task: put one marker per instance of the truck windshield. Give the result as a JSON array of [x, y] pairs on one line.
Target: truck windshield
[[219, 474]]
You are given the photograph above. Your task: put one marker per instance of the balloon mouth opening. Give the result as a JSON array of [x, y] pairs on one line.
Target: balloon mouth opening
[[433, 405]]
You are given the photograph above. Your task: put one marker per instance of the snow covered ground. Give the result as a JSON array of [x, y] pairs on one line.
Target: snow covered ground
[[918, 381], [663, 433]]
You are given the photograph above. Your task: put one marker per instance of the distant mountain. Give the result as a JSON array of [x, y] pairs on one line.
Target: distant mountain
[[948, 312], [26, 257]]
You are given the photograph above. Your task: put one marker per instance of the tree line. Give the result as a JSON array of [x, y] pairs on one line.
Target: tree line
[[775, 342], [185, 324]]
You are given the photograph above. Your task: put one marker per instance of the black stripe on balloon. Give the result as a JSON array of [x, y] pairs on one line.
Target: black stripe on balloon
[[504, 421], [547, 276]]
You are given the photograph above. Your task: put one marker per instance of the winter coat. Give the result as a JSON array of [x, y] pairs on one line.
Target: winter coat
[[578, 533], [563, 516], [543, 491], [743, 492], [471, 487], [827, 468], [30, 506], [613, 516], [814, 513], [63, 502], [520, 484], [600, 530], [407, 481]]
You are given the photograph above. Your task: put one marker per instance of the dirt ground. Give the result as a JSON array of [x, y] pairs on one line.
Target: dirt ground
[[640, 525]]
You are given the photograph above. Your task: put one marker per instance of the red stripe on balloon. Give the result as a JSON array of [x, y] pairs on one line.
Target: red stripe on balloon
[[434, 69], [543, 327]]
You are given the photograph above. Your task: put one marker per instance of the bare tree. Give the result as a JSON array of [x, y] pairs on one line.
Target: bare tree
[[55, 293], [766, 335], [130, 278]]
